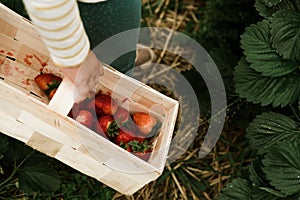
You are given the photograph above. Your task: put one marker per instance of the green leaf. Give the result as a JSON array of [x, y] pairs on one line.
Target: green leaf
[[36, 175], [266, 11], [273, 192], [52, 86], [261, 187], [269, 128], [256, 174], [262, 9], [282, 166], [242, 189], [271, 3], [279, 91], [257, 45], [22, 150], [238, 189], [285, 29], [266, 194]]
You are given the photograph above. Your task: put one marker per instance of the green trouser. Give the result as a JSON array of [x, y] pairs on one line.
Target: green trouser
[[103, 20], [106, 19]]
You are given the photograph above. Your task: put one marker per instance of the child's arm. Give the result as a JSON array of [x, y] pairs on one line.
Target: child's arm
[[59, 24], [61, 28]]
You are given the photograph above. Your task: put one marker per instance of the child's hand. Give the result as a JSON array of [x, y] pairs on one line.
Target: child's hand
[[85, 76]]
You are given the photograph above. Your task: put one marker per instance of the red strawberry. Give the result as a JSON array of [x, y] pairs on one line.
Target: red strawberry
[[91, 106], [82, 105], [76, 108], [106, 126], [98, 93], [47, 81], [106, 103], [141, 149], [51, 93], [144, 121], [121, 116], [124, 136], [143, 155], [86, 118]]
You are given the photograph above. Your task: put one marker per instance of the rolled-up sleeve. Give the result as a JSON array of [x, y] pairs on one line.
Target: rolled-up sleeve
[[61, 28]]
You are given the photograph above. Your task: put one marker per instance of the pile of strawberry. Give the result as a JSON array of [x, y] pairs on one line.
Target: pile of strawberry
[[101, 113]]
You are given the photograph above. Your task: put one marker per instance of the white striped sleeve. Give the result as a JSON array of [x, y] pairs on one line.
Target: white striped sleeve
[[61, 28]]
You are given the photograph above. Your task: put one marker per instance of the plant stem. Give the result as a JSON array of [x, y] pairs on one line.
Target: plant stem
[[9, 178], [16, 168]]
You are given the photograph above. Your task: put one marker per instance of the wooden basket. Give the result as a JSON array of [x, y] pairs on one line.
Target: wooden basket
[[25, 113]]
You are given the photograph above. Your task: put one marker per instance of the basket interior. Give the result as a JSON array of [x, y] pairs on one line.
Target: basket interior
[[23, 56]]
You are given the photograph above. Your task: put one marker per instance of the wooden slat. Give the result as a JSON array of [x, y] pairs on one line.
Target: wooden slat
[[8, 46], [49, 130], [38, 111], [14, 129], [20, 75], [8, 29], [82, 162], [31, 39], [17, 21], [32, 58], [44, 144], [9, 125]]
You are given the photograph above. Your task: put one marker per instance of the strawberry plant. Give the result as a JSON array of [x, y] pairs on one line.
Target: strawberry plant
[[24, 170], [268, 74], [28, 174]]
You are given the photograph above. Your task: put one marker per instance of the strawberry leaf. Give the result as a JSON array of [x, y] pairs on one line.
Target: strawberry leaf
[[36, 175], [137, 146], [112, 129], [262, 189], [256, 174], [124, 145], [52, 86], [269, 128], [285, 31], [270, 3], [282, 167], [266, 11], [257, 45], [237, 189], [278, 91], [262, 9], [242, 189]]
